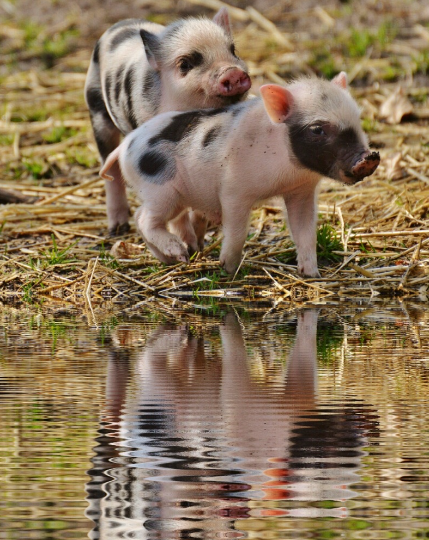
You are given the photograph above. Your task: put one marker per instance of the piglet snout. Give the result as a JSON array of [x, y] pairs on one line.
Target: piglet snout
[[365, 165], [233, 82]]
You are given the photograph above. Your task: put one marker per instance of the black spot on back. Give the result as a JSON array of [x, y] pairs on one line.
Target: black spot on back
[[108, 85], [104, 134], [94, 99], [96, 53], [237, 110], [211, 135], [152, 163], [152, 89], [123, 35], [182, 124], [118, 84], [128, 86]]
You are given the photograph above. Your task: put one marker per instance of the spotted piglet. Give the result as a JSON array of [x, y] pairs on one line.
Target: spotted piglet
[[222, 161], [139, 69]]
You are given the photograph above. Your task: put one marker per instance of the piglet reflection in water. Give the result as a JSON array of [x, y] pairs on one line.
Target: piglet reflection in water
[[200, 438]]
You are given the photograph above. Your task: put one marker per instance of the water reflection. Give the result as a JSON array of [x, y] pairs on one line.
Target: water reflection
[[206, 436]]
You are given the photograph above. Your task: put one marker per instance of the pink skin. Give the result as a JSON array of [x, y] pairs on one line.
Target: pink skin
[[254, 146], [233, 82]]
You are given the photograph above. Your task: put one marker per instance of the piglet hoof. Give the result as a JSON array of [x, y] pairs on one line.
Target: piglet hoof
[[191, 250], [119, 229], [176, 252], [229, 266], [307, 273]]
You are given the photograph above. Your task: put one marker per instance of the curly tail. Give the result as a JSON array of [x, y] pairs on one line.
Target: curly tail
[[112, 158]]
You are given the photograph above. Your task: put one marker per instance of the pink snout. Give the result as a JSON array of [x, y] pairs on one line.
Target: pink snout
[[366, 165], [233, 82]]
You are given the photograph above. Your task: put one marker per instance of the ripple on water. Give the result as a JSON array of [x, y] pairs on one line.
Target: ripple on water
[[303, 427]]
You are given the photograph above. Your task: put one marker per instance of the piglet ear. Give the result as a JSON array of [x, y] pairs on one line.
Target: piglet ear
[[277, 101], [340, 80], [151, 46], [222, 19]]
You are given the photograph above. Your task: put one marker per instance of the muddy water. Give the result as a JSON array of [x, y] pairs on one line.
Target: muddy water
[[308, 424]]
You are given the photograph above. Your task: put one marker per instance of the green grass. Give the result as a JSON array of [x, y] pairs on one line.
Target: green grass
[[359, 40], [58, 134], [38, 168], [328, 242], [53, 256]]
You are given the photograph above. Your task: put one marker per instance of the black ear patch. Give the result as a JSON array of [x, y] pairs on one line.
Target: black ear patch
[[321, 154], [150, 42]]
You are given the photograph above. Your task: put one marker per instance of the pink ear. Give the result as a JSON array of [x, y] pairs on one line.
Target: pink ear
[[277, 101], [222, 19], [340, 80]]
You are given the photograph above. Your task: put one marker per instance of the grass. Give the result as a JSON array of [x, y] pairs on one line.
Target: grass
[[359, 40], [53, 256], [327, 243], [58, 134]]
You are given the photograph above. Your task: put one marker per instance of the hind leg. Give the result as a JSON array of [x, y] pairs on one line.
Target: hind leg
[[107, 136], [182, 227], [199, 224]]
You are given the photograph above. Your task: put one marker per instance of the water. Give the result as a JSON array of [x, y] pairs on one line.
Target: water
[[308, 424]]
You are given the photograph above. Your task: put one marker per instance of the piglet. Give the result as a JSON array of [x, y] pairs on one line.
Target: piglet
[[139, 69], [223, 161]]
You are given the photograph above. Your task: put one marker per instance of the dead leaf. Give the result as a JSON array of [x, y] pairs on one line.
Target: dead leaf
[[394, 171], [126, 250], [396, 106]]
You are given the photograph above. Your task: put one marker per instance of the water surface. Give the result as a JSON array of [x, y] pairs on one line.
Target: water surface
[[308, 424]]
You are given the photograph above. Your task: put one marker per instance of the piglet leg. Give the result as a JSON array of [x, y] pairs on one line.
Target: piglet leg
[[199, 223], [302, 219], [182, 227], [107, 137], [118, 211], [235, 221], [165, 246]]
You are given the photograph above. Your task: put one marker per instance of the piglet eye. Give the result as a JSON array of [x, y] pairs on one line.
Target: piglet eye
[[185, 66], [317, 130], [186, 63]]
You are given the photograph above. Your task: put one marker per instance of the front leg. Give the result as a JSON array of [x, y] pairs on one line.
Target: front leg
[[164, 245], [302, 218], [235, 220]]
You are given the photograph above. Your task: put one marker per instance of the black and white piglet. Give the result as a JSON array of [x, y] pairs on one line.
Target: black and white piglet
[[222, 161], [139, 69]]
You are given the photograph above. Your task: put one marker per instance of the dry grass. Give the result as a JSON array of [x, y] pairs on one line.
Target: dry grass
[[375, 236]]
